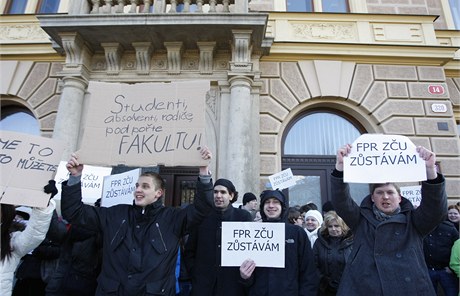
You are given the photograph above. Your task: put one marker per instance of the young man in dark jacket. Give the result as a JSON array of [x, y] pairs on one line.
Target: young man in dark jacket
[[203, 249], [299, 276], [387, 257], [140, 241]]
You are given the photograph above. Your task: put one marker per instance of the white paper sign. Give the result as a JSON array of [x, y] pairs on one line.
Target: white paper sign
[[119, 189], [282, 180], [261, 242], [92, 179], [413, 194], [377, 158]]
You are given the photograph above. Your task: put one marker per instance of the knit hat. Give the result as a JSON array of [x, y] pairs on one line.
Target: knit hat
[[230, 187], [315, 214], [248, 196]]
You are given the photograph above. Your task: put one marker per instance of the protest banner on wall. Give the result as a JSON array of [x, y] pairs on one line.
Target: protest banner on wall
[[119, 188], [377, 158], [261, 242], [27, 163], [92, 180], [413, 194], [282, 180], [144, 124]]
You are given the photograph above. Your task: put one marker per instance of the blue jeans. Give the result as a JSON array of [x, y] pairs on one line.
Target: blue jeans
[[447, 280]]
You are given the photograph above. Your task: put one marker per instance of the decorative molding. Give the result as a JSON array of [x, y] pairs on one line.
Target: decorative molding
[[174, 54], [206, 56], [241, 51], [325, 31], [143, 56], [211, 101], [113, 52], [24, 32], [398, 33]]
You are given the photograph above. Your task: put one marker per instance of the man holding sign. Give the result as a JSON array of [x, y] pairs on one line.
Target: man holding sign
[[203, 249], [140, 241], [299, 276], [388, 258]]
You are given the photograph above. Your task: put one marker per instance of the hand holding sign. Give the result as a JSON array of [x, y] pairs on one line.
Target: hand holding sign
[[74, 166], [375, 158], [247, 268]]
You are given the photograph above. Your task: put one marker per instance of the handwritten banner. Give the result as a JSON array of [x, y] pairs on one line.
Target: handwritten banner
[[119, 188], [261, 242], [377, 158], [27, 163], [145, 124], [92, 180]]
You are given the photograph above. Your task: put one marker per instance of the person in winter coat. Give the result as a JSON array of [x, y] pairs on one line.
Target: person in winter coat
[[203, 248], [140, 241], [437, 246], [299, 276], [79, 263], [454, 263], [331, 251], [313, 222], [387, 256], [15, 245]]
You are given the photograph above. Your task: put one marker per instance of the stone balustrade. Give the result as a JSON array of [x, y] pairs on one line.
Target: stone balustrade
[[165, 6]]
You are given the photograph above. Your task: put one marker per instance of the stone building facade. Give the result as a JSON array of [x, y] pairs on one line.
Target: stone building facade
[[390, 67]]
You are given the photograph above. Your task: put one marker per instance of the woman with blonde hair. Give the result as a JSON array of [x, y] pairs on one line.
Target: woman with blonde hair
[[331, 251]]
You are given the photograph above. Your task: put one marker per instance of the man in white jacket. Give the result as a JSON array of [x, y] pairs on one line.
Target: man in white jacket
[[20, 242]]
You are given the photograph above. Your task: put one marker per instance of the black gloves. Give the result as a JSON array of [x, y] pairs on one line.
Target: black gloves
[[51, 188]]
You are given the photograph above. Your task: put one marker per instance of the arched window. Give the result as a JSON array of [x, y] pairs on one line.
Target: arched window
[[309, 148], [319, 134], [19, 119]]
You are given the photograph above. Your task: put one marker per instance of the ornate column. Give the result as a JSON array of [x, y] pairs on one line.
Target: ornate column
[[239, 141], [75, 81]]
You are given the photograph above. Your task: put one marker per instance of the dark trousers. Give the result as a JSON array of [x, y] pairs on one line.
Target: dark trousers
[[447, 280]]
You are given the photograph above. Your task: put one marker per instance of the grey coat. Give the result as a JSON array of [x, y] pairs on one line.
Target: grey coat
[[387, 257]]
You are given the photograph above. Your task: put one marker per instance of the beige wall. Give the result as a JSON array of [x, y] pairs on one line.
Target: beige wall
[[388, 99]]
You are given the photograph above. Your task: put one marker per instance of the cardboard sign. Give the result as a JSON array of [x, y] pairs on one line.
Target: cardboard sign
[[413, 194], [27, 163], [261, 242], [145, 124], [119, 188], [282, 180], [92, 180], [377, 158]]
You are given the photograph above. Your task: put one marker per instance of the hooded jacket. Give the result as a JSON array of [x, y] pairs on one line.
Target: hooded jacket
[[298, 277], [387, 257], [139, 244]]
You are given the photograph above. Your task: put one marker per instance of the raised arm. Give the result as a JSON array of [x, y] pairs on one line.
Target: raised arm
[[433, 206], [72, 207], [341, 199]]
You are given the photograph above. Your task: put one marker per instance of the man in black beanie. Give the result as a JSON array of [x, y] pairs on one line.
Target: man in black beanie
[[250, 204], [202, 252]]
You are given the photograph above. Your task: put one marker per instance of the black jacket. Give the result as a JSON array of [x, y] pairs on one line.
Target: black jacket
[[139, 245], [331, 255], [203, 256], [297, 278], [438, 244]]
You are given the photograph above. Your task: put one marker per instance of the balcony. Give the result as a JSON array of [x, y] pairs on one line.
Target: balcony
[[158, 22], [160, 6]]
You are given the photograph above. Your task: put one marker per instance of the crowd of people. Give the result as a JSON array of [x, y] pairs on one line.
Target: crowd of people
[[384, 246]]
